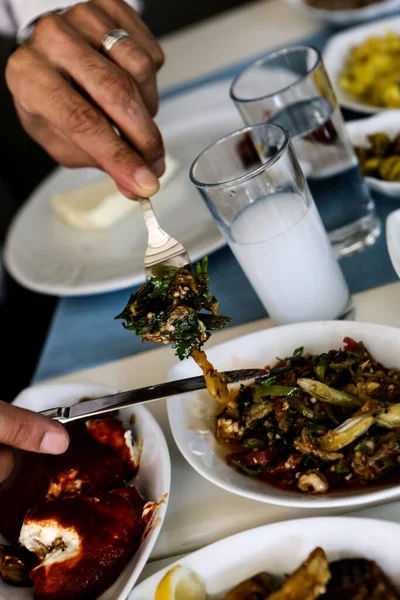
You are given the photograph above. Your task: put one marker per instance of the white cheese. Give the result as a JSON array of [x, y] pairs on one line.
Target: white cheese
[[100, 204], [35, 535]]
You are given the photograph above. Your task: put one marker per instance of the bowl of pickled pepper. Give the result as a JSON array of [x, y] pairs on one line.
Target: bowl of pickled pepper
[[376, 142]]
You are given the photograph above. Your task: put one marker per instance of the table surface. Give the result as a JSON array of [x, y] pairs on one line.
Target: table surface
[[207, 513]]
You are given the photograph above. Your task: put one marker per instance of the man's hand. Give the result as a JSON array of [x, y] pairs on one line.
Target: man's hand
[[26, 430], [70, 97]]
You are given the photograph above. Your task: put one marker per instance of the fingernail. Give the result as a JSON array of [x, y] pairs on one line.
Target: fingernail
[[158, 167], [54, 443], [146, 180]]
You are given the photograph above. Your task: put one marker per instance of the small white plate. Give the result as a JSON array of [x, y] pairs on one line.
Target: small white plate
[[342, 18], [280, 548], [192, 416], [393, 239], [385, 122], [153, 478], [337, 52], [46, 255]]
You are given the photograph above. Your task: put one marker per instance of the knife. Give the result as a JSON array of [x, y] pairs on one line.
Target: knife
[[105, 404]]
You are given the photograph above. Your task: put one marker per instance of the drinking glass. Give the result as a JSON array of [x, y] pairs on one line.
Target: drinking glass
[[291, 88], [254, 187]]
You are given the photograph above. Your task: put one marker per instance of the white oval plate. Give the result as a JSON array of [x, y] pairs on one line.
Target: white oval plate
[[337, 51], [280, 548], [47, 256], [346, 17], [192, 416], [385, 122], [393, 239], [153, 478]]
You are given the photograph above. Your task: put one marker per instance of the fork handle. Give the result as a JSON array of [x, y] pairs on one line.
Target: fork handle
[[157, 236]]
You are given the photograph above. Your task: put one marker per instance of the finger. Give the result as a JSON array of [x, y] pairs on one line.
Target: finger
[[107, 84], [41, 90], [6, 462], [54, 141], [94, 24], [27, 430], [129, 20]]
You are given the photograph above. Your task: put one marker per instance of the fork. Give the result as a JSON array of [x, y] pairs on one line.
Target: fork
[[161, 247]]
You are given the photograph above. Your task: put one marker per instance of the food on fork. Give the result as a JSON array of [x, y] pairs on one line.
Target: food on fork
[[100, 205], [73, 512], [315, 578], [381, 158], [317, 423], [371, 71], [170, 308]]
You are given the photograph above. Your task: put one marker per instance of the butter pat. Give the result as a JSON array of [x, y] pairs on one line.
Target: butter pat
[[95, 206], [100, 204]]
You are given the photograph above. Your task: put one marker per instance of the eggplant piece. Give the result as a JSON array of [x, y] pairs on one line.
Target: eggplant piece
[[308, 582], [258, 587], [358, 579], [15, 566]]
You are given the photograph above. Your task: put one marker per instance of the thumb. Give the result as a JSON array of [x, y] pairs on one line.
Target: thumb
[[30, 431]]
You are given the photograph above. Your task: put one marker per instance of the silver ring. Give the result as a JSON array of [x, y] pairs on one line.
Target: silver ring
[[111, 38]]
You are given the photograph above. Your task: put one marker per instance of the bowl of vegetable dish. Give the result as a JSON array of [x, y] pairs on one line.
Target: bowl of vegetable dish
[[376, 141], [363, 64], [328, 558], [320, 427]]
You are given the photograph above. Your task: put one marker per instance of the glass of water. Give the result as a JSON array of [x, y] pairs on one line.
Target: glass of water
[[291, 88], [253, 185]]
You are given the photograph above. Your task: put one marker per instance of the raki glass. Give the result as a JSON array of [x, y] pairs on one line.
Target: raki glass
[[291, 88], [254, 187]]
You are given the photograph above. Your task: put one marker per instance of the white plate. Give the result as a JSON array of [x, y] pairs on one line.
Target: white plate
[[153, 478], [393, 239], [337, 51], [192, 416], [347, 17], [387, 122], [45, 255], [280, 548]]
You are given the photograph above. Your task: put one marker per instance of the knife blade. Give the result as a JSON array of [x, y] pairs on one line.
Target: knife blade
[[105, 404]]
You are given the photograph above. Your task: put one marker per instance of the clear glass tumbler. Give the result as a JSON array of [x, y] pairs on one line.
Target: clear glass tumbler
[[253, 185], [291, 88]]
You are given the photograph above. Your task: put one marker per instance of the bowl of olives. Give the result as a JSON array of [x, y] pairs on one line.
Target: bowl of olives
[[376, 141]]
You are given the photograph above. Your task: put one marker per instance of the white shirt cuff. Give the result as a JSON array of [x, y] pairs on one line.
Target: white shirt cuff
[[28, 12]]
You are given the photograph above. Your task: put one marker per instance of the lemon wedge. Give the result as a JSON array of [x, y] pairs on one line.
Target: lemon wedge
[[181, 583]]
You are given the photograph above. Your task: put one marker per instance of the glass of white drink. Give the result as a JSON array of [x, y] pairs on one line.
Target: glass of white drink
[[254, 187]]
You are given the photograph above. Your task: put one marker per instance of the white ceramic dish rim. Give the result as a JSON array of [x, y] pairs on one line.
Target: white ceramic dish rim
[[392, 237], [318, 527], [347, 16], [380, 122], [345, 40], [70, 392], [273, 495]]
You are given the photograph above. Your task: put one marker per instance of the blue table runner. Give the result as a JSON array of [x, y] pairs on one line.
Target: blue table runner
[[84, 333]]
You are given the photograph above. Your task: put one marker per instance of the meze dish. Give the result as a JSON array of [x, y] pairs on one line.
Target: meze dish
[[315, 578], [317, 422], [73, 521], [371, 71]]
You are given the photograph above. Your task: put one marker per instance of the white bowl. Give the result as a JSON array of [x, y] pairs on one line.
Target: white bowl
[[346, 17], [393, 239], [337, 52], [153, 478], [385, 122], [281, 547], [192, 416]]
